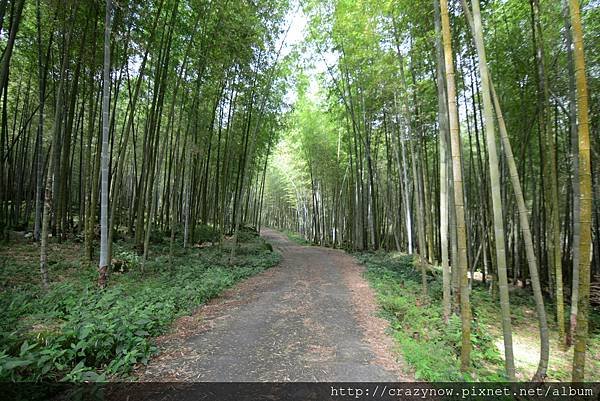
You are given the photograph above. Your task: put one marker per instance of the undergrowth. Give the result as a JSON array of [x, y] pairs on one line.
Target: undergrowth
[[296, 237], [429, 345], [76, 332], [432, 347]]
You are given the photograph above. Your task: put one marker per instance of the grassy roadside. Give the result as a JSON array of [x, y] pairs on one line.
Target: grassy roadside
[[432, 347], [75, 332], [296, 237]]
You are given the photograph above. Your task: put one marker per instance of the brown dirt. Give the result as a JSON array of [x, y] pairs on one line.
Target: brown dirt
[[312, 318]]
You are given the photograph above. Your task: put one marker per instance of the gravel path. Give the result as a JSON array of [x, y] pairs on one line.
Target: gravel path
[[312, 318]]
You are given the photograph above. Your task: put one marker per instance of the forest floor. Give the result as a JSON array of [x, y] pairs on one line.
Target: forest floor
[[311, 318], [318, 315], [76, 332], [417, 324]]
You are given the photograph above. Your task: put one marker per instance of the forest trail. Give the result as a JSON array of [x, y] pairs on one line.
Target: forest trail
[[311, 318]]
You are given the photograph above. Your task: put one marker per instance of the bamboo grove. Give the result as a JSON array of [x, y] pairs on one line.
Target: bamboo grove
[[139, 116], [459, 132]]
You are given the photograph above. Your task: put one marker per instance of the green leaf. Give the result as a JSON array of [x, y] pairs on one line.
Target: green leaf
[[16, 363], [85, 331], [93, 376], [25, 347]]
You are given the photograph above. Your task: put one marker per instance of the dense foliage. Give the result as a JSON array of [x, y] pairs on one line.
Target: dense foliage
[[143, 121], [77, 332], [458, 131], [418, 325]]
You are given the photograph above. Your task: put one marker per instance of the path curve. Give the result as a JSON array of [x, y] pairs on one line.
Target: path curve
[[311, 318]]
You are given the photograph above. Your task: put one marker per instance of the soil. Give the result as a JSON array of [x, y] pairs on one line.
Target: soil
[[311, 318]]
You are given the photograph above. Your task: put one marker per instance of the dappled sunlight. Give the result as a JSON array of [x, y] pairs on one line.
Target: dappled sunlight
[[526, 347], [150, 148], [527, 354]]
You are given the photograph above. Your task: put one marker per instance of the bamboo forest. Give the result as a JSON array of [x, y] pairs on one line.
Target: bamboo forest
[[300, 190]]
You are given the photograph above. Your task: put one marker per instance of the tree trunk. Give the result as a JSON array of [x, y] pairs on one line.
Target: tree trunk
[[45, 226], [574, 174], [462, 265], [103, 265], [443, 156], [495, 191], [550, 175], [585, 186], [42, 72]]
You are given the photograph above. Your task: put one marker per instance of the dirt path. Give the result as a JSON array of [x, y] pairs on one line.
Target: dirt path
[[312, 318]]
